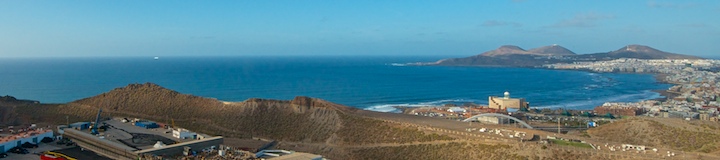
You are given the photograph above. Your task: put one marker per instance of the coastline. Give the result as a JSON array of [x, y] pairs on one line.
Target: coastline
[[659, 78], [662, 78]]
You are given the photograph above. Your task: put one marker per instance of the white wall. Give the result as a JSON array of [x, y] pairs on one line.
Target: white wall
[[13, 143]]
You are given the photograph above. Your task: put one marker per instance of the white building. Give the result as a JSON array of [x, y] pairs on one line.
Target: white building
[[456, 110], [184, 134], [32, 136]]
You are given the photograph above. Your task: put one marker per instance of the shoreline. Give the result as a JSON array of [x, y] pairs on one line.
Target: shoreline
[[662, 78], [659, 78]]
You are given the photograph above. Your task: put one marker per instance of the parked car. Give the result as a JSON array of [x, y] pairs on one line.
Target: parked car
[[18, 150], [3, 155], [47, 140], [29, 145]]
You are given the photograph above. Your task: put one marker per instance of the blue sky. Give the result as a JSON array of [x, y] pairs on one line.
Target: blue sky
[[306, 27]]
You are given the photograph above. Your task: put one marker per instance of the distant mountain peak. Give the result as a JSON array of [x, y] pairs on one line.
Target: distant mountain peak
[[510, 47], [505, 50], [511, 55], [553, 49], [646, 52], [638, 48]]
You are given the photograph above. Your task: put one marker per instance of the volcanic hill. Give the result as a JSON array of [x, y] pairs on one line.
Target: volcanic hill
[[643, 52], [509, 55], [505, 50], [552, 50], [303, 124]]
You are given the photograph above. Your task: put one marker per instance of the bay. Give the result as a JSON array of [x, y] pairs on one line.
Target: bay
[[374, 83]]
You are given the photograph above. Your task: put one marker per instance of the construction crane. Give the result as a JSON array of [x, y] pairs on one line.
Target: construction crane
[[94, 130]]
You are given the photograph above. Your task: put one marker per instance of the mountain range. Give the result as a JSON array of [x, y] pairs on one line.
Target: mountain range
[[510, 55]]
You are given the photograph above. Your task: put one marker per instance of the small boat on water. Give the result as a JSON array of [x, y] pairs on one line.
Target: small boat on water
[[156, 58]]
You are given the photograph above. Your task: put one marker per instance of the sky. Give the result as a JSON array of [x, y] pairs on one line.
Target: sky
[[70, 28]]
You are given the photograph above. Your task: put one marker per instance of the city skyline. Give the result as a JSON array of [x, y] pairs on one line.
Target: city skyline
[[425, 28]]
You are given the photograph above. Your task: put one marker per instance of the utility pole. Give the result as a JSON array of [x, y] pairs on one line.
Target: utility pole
[[558, 125], [67, 120]]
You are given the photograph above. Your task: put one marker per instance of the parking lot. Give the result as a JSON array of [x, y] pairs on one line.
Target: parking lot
[[35, 152]]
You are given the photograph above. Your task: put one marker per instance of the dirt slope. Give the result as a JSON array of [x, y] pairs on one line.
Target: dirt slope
[[661, 132]]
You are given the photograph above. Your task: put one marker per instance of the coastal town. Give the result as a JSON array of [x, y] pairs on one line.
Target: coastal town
[[694, 96], [695, 93]]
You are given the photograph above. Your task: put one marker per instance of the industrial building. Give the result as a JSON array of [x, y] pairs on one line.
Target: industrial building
[[147, 124], [184, 134], [32, 135], [79, 125], [507, 102], [127, 141]]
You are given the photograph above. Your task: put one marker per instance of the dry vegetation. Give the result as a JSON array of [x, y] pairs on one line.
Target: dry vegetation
[[303, 119], [316, 119], [439, 151], [339, 132], [675, 134], [360, 130]]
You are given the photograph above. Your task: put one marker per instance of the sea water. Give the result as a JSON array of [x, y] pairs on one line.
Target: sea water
[[373, 83]]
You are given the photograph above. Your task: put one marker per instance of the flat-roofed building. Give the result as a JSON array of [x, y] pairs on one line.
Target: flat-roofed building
[[507, 102], [184, 134], [33, 136]]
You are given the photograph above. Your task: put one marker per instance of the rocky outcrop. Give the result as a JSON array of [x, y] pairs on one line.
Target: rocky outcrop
[[10, 100]]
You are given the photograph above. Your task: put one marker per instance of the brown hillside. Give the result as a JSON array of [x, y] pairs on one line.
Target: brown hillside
[[505, 50], [661, 132], [552, 50], [646, 52], [317, 120], [303, 124], [12, 111]]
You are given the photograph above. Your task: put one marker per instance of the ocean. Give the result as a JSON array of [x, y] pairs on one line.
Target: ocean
[[373, 83]]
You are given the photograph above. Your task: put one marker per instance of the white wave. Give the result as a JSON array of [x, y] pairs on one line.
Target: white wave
[[384, 108], [591, 87], [398, 64], [441, 102], [589, 104], [391, 107]]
